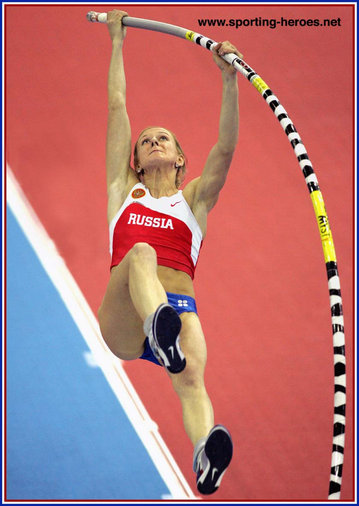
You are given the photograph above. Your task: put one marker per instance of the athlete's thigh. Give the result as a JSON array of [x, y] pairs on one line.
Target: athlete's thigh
[[121, 327]]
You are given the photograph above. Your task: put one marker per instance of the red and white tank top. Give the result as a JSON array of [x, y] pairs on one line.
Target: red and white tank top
[[167, 224]]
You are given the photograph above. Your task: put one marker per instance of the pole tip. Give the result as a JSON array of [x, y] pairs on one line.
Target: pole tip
[[91, 16]]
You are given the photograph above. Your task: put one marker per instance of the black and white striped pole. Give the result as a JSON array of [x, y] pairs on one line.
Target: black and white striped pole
[[311, 180]]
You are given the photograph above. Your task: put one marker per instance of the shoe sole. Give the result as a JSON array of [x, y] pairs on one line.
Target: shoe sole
[[166, 327], [219, 451]]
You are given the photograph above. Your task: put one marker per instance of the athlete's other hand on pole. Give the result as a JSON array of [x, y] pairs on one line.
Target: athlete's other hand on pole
[[221, 49], [114, 23]]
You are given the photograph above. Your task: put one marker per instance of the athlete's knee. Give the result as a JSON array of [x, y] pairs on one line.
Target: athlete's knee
[[191, 378], [142, 251]]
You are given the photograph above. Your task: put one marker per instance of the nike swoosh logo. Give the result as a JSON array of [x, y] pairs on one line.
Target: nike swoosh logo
[[172, 205], [172, 350]]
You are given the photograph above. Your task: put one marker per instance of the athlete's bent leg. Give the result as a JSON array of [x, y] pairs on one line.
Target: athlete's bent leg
[[133, 293]]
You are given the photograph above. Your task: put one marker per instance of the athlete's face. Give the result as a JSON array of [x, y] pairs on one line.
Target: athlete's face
[[156, 145]]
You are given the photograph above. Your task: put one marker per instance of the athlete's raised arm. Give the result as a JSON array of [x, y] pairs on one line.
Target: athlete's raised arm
[[206, 188], [118, 144]]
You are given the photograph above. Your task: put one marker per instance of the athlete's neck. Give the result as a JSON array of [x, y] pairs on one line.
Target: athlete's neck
[[159, 184]]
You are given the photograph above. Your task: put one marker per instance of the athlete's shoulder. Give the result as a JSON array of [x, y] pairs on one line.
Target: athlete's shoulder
[[189, 192]]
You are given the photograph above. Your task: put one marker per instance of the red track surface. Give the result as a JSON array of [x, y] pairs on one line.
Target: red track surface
[[261, 281]]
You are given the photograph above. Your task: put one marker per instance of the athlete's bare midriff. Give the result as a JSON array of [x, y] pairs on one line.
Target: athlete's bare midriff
[[175, 281]]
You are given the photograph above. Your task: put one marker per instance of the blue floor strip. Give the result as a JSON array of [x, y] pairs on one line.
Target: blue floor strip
[[67, 436]]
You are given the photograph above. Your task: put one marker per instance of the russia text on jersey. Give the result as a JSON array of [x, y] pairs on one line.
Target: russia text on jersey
[[149, 221]]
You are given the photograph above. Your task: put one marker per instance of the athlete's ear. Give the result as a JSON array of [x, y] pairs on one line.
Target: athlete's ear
[[180, 174], [179, 161]]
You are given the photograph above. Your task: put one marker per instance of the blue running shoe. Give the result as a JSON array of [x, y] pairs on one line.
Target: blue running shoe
[[213, 460], [164, 339]]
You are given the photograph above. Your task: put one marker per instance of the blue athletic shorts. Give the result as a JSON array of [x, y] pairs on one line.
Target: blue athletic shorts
[[182, 304]]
